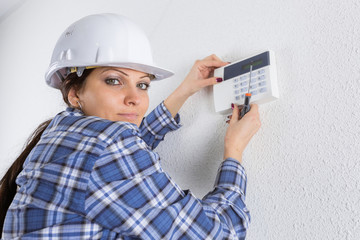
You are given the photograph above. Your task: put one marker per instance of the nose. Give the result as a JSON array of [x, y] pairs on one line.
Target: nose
[[132, 96]]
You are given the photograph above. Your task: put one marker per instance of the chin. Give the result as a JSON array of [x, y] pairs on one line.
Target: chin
[[136, 122]]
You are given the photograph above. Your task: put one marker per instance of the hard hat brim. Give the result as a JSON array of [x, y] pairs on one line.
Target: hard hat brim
[[54, 80]]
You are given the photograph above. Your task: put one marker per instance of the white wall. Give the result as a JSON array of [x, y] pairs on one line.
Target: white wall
[[302, 166]]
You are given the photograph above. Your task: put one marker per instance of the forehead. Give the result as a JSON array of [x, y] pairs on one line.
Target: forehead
[[124, 71]]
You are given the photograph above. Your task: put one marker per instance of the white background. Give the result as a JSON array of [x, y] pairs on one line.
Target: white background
[[303, 165]]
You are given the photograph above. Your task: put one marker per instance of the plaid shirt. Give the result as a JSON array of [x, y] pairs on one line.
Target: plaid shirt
[[90, 178]]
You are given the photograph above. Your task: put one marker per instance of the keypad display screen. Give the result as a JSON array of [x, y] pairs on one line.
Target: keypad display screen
[[254, 64], [242, 67]]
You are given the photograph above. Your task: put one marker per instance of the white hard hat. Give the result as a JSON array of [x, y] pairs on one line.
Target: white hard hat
[[102, 40]]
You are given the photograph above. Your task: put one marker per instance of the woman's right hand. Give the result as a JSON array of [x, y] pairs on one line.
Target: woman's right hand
[[240, 132]]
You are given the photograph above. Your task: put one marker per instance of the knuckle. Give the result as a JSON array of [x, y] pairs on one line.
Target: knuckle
[[258, 123]]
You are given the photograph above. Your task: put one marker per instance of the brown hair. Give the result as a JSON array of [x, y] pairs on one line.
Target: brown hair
[[8, 185]]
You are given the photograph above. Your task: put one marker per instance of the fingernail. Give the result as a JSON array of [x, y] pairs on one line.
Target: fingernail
[[219, 80], [232, 106]]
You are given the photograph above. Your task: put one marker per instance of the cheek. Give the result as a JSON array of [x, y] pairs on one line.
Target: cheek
[[99, 102], [145, 103]]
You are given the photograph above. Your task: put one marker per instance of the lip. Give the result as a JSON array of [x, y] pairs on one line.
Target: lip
[[129, 116]]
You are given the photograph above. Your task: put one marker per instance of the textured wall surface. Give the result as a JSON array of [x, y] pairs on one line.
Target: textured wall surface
[[303, 165]]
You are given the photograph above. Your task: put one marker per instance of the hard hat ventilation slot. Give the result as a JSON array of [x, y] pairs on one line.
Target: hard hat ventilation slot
[[80, 71]]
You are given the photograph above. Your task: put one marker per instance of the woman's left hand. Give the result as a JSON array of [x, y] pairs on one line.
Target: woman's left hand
[[199, 75]]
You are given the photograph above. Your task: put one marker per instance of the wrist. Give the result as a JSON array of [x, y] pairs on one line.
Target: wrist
[[176, 99], [184, 91], [234, 155]]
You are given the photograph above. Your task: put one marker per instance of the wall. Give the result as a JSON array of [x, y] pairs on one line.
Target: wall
[[302, 165]]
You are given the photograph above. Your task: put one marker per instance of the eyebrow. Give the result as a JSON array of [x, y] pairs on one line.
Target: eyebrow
[[109, 69]]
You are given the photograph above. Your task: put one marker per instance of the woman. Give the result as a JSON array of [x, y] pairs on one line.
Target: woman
[[91, 173]]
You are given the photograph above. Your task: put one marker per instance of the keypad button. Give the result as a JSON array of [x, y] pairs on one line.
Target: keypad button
[[253, 80], [262, 90], [236, 85], [236, 92], [243, 77], [252, 86], [244, 84], [244, 89], [237, 98], [262, 77], [236, 80], [262, 84], [254, 92], [261, 71]]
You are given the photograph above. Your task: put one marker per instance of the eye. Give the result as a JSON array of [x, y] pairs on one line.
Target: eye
[[143, 86], [112, 81]]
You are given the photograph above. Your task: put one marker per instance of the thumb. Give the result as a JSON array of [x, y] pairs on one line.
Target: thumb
[[235, 113]]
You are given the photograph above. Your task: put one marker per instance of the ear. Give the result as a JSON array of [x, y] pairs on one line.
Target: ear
[[73, 98]]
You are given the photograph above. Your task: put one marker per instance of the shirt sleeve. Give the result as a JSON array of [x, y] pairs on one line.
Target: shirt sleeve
[[157, 124], [130, 194]]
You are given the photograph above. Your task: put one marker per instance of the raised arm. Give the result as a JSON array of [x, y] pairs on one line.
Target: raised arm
[[164, 118], [198, 78], [157, 124]]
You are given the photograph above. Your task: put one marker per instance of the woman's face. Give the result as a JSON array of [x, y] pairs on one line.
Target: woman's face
[[116, 94]]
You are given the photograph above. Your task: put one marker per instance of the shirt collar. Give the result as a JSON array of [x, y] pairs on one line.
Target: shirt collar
[[70, 111]]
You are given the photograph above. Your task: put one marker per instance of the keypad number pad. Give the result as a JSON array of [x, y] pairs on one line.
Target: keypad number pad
[[257, 84]]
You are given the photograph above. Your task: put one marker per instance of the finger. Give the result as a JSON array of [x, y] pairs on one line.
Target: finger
[[228, 118], [234, 113], [212, 63], [254, 108], [255, 112], [212, 57], [211, 81]]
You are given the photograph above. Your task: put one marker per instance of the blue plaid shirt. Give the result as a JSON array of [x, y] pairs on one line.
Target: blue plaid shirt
[[90, 178]]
